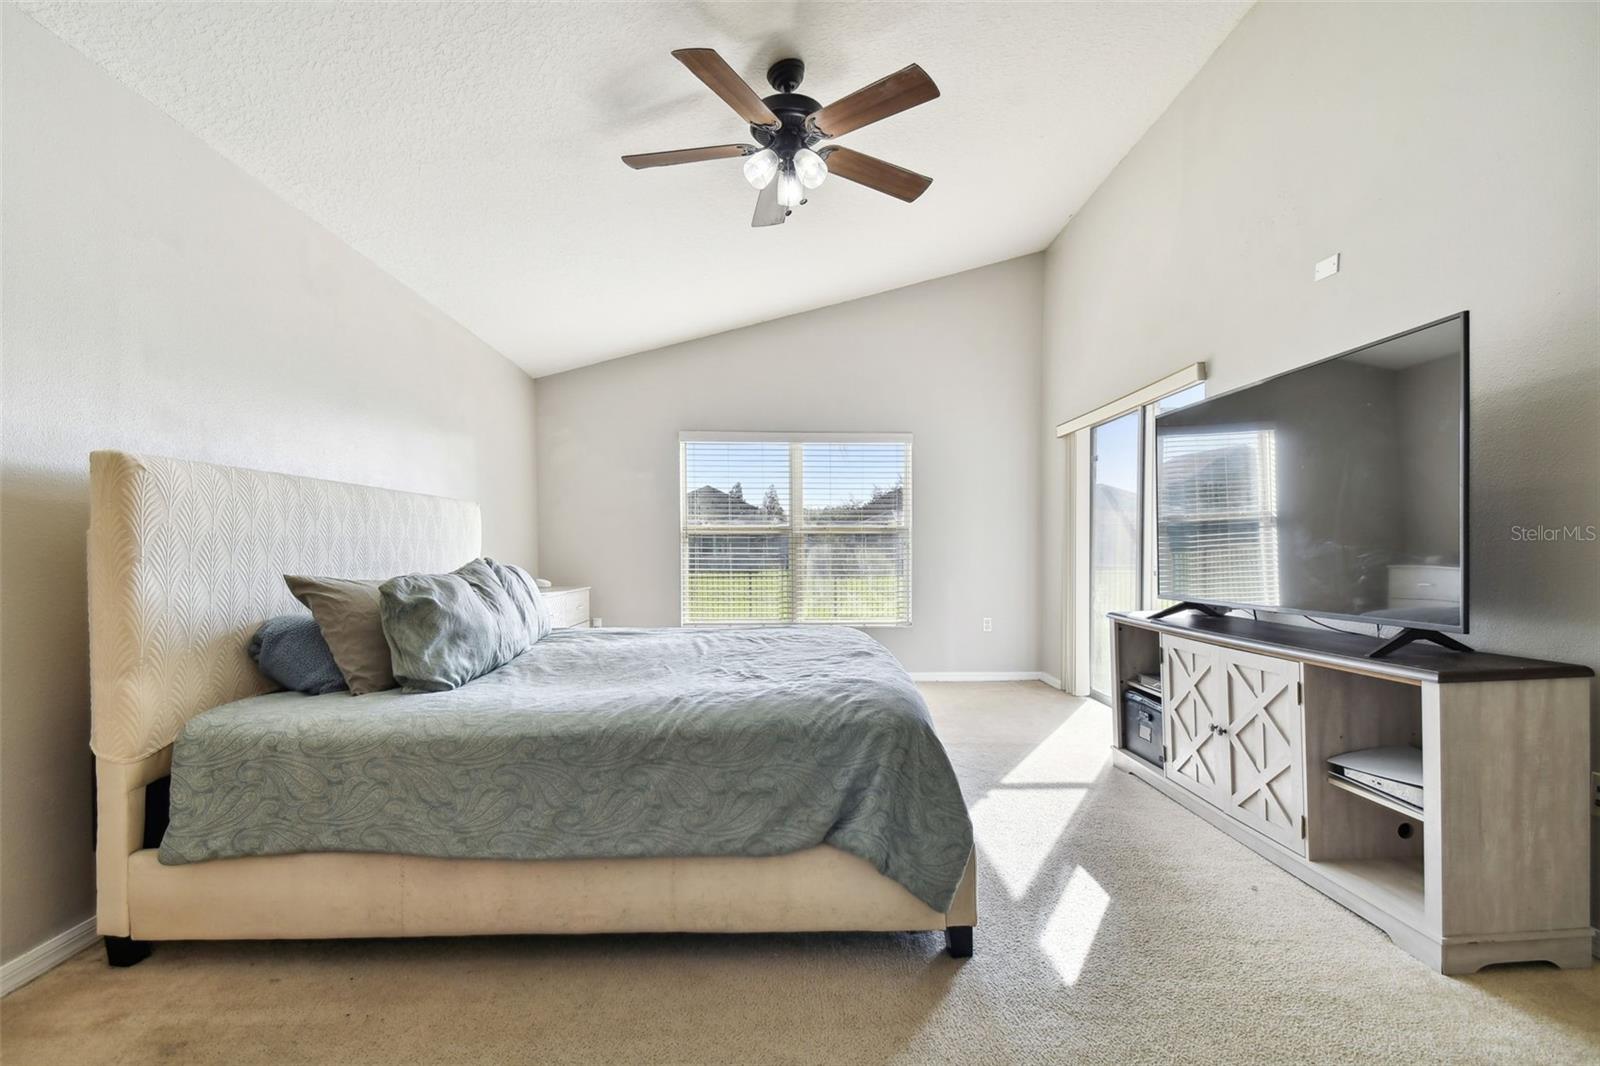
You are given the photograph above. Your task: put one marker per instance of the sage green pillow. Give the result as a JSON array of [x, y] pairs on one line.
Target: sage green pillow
[[444, 630]]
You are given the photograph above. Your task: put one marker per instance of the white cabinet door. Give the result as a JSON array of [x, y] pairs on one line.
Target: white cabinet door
[[1235, 736], [1192, 695], [1266, 764]]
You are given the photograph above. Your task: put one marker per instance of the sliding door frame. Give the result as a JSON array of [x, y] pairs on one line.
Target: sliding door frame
[[1075, 605]]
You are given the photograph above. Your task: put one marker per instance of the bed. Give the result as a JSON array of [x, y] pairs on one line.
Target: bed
[[186, 558]]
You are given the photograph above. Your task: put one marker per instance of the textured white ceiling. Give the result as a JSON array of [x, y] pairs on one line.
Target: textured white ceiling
[[472, 149]]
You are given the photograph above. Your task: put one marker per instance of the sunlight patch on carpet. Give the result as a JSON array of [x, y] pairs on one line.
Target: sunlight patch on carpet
[[1074, 754], [1070, 932], [1017, 829]]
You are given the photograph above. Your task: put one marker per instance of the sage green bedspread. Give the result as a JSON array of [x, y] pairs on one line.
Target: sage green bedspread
[[594, 743]]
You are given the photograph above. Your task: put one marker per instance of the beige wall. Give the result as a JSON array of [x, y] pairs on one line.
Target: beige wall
[[158, 299], [955, 362], [1450, 154]]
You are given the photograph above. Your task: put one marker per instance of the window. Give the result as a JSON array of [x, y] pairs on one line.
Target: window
[[1219, 515], [811, 528]]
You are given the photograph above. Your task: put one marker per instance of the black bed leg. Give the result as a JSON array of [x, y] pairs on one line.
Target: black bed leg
[[125, 951], [958, 941]]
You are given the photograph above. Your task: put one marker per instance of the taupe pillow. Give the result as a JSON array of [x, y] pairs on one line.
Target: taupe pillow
[[347, 613], [446, 629]]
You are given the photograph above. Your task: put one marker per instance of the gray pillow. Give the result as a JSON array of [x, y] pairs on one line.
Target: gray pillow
[[446, 629], [290, 651], [347, 613]]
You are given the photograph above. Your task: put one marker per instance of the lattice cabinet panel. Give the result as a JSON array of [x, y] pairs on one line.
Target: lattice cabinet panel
[[1265, 767], [1193, 694]]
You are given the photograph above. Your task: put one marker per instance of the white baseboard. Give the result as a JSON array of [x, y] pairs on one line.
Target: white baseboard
[[980, 675], [45, 957], [1051, 680]]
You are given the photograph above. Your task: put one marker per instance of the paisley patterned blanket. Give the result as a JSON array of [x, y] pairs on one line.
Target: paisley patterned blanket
[[594, 743]]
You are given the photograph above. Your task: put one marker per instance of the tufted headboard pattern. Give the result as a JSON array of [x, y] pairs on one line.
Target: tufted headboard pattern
[[186, 559]]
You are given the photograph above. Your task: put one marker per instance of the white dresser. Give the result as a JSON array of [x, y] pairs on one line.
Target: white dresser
[[569, 606]]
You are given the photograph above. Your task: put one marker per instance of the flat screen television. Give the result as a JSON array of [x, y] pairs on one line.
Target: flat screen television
[[1338, 490]]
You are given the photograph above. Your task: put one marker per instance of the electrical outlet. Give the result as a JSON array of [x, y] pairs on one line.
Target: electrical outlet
[[1596, 782], [988, 625]]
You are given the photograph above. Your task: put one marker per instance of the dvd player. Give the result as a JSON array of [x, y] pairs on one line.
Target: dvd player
[[1395, 772]]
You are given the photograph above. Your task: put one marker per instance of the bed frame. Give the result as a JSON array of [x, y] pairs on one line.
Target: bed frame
[[185, 559]]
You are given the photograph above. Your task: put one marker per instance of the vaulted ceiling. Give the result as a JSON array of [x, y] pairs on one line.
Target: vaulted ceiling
[[471, 150]]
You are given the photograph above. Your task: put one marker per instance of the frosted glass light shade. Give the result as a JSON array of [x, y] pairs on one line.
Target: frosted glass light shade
[[790, 192], [809, 168], [760, 168]]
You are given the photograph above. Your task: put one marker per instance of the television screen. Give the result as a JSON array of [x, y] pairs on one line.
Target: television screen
[[1334, 490]]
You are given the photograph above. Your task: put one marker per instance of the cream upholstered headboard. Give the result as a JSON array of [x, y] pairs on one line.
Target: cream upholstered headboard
[[186, 559]]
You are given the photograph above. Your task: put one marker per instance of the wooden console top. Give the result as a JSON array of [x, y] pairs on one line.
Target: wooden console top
[[1417, 663]]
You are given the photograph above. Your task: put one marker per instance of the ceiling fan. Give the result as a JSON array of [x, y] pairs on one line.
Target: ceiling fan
[[788, 127]]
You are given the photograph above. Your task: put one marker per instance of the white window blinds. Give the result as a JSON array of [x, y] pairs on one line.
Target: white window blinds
[[795, 528], [1218, 513]]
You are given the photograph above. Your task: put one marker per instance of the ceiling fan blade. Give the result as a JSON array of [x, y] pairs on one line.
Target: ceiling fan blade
[[687, 155], [887, 96], [709, 67], [863, 169], [769, 212]]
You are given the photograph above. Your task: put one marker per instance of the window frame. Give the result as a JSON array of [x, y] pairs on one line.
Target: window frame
[[796, 527], [1142, 439], [1077, 611]]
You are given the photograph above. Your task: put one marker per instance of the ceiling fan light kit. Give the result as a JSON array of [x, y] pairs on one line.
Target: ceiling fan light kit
[[790, 192], [788, 158], [809, 168], [761, 168]]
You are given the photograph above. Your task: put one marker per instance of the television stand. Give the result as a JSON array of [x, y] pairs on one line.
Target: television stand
[[1203, 608], [1494, 868], [1411, 636]]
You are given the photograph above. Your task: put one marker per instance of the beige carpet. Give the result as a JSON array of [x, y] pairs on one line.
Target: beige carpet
[[1115, 928]]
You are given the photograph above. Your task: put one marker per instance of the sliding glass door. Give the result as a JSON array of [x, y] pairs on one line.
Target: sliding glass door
[[1116, 535], [1122, 541]]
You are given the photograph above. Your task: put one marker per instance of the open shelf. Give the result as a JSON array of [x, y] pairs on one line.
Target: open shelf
[[1135, 652], [1371, 796], [1144, 689], [1396, 885]]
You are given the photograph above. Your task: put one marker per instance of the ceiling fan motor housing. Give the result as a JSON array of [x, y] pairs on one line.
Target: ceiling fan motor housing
[[792, 109], [786, 75]]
